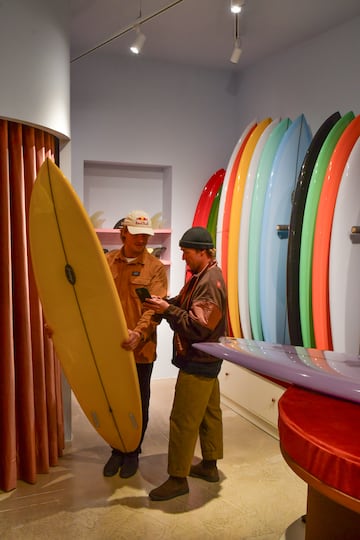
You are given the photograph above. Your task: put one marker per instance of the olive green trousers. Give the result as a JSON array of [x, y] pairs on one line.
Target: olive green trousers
[[195, 413]]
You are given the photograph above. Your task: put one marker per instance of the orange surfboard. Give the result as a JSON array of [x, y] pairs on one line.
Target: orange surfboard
[[322, 235], [234, 226]]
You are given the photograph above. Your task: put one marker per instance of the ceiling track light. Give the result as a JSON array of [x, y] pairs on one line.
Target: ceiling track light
[[138, 44], [235, 56], [235, 6], [139, 41]]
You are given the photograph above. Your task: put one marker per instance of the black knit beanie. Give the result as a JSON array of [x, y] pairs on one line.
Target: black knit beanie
[[197, 238]]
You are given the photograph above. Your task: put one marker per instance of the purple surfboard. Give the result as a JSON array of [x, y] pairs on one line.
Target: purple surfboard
[[329, 372]]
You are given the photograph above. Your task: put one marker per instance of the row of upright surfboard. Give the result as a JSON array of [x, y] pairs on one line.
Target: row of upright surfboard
[[285, 216]]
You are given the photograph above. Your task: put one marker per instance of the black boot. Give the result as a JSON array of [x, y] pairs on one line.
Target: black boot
[[114, 463], [129, 466]]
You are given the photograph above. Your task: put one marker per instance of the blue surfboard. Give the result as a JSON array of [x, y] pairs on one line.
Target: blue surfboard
[[274, 234], [256, 213]]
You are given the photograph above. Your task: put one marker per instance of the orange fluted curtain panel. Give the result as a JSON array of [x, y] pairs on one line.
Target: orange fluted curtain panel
[[31, 410]]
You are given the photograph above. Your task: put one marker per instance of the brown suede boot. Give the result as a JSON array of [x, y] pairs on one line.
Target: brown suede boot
[[173, 487], [206, 470]]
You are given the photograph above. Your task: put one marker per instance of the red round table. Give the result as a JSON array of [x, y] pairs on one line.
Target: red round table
[[320, 441]]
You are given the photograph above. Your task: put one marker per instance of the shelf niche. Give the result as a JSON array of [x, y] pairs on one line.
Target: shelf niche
[[114, 189]]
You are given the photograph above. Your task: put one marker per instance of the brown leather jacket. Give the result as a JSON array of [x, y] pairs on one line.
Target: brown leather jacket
[[198, 314]]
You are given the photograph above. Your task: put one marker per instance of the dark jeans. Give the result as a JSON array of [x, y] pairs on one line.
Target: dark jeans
[[144, 374]]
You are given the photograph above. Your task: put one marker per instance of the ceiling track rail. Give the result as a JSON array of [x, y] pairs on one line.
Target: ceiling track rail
[[128, 28]]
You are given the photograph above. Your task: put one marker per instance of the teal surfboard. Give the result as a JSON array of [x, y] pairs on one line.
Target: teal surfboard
[[255, 223]]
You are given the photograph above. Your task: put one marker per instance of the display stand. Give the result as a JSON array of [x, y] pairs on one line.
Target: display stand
[[320, 442]]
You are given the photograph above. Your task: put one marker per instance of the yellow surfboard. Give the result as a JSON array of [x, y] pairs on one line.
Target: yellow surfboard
[[234, 227], [83, 310]]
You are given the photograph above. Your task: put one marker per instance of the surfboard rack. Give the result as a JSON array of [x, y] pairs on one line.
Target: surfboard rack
[[282, 231], [355, 234]]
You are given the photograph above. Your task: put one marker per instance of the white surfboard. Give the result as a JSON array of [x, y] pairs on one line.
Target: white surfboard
[[244, 231], [229, 172], [344, 262]]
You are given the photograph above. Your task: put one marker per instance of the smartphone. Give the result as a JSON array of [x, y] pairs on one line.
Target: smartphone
[[142, 293]]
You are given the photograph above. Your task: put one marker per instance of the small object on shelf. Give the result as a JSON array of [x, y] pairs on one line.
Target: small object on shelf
[[157, 221], [96, 219]]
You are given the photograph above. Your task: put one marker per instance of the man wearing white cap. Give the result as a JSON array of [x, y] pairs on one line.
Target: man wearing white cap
[[132, 267]]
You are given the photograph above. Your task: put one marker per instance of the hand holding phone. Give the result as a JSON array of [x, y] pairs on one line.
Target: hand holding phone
[[143, 293]]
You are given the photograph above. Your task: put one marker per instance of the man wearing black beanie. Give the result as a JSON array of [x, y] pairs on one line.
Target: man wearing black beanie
[[196, 314]]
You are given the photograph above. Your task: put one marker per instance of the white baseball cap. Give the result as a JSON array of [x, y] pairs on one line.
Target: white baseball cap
[[138, 222]]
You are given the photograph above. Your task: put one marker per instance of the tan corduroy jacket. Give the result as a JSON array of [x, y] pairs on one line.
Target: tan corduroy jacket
[[144, 271]]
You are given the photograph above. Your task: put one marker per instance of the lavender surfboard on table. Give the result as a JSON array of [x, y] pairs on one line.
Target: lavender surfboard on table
[[329, 372]]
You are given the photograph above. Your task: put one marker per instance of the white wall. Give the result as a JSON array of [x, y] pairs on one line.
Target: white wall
[[138, 112], [317, 78], [34, 64]]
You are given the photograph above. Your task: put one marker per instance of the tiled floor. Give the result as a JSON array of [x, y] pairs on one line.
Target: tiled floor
[[258, 496]]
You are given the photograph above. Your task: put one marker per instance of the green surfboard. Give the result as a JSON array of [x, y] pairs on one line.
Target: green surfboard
[[308, 228], [214, 210]]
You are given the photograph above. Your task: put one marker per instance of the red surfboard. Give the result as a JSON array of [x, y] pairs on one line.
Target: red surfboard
[[206, 199], [205, 202]]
